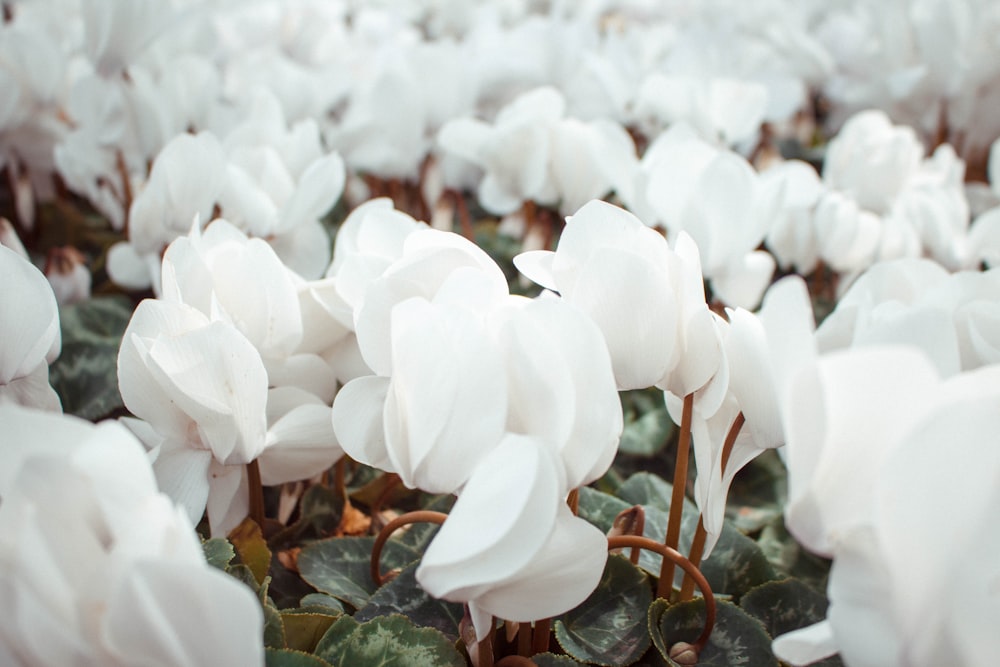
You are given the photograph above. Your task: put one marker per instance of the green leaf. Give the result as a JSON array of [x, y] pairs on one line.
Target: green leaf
[[249, 543], [737, 638], [340, 566], [790, 559], [786, 605], [552, 660], [244, 574], [403, 595], [386, 641], [303, 630], [322, 603], [86, 373], [645, 488], [274, 628], [283, 657], [218, 552], [648, 426], [600, 508], [609, 627]]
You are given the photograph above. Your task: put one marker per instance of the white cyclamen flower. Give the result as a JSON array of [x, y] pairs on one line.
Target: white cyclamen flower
[[29, 330], [202, 388], [99, 568]]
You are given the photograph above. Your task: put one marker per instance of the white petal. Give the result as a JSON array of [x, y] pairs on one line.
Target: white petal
[[228, 499], [633, 304], [806, 645], [525, 473], [182, 614], [557, 579], [318, 189], [536, 265], [742, 283], [29, 317], [357, 420], [182, 473], [300, 445]]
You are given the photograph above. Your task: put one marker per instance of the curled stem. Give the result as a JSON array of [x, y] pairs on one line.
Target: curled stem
[[676, 558], [673, 537], [391, 527], [255, 493], [700, 535]]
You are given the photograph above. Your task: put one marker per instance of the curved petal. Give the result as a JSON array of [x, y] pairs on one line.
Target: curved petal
[[447, 404], [640, 330], [806, 645], [560, 577], [29, 317], [357, 420], [536, 266], [182, 614], [228, 501], [301, 445], [182, 473], [318, 189], [508, 535]]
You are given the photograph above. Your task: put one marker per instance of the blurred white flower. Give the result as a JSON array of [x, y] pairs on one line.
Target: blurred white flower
[[116, 32], [99, 568], [951, 317], [721, 109], [887, 201], [870, 485], [67, 273], [29, 328], [715, 196], [514, 151]]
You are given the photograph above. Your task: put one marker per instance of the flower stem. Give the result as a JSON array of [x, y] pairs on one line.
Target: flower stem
[[524, 639], [540, 642], [255, 493], [666, 583], [573, 500], [675, 557], [391, 527], [700, 535]]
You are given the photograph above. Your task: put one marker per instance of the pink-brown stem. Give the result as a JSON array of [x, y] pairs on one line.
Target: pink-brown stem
[[673, 537], [391, 527], [255, 493]]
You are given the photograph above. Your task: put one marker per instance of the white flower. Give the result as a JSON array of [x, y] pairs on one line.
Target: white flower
[[879, 493], [643, 296], [98, 567], [513, 152], [561, 386], [202, 388], [715, 196], [442, 410], [29, 328], [235, 279]]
